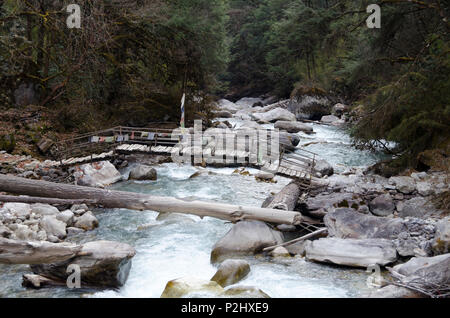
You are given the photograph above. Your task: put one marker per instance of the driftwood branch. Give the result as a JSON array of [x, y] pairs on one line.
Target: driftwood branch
[[23, 252], [305, 237], [141, 202]]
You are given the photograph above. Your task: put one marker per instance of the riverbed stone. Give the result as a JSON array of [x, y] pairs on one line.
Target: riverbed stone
[[441, 241], [81, 208], [66, 216], [297, 248], [274, 115], [97, 174], [324, 167], [293, 127], [184, 286], [329, 119], [244, 292], [245, 238], [44, 209], [405, 185], [347, 223], [24, 233], [87, 221], [264, 176], [74, 231], [19, 210], [53, 226], [424, 188], [426, 271], [415, 207], [5, 231], [352, 252], [174, 217], [102, 264], [231, 271], [392, 291], [323, 203], [280, 251], [143, 172], [382, 205]]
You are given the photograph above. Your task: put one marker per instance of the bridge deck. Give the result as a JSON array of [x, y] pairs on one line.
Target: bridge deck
[[104, 144]]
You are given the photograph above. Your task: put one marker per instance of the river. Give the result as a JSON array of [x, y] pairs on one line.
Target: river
[[180, 247]]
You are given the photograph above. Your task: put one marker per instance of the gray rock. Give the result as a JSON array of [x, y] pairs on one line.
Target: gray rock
[[329, 119], [44, 209], [97, 174], [248, 102], [321, 204], [405, 185], [5, 232], [274, 115], [441, 241], [245, 238], [415, 207], [392, 291], [293, 127], [224, 104], [352, 252], [74, 231], [297, 248], [310, 107], [265, 176], [103, 264], [19, 210], [41, 235], [53, 226], [424, 188], [87, 221], [383, 205], [347, 223], [426, 270], [231, 271], [66, 216], [24, 233], [339, 109], [244, 292], [53, 239], [280, 251], [79, 207], [143, 172], [323, 167]]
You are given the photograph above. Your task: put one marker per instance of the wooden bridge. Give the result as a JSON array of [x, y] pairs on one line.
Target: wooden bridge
[[248, 147]]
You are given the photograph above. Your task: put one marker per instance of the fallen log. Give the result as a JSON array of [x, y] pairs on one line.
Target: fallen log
[[287, 198], [299, 239], [23, 252], [27, 199], [141, 202]]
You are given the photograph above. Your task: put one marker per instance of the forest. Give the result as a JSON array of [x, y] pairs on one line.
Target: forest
[[131, 61]]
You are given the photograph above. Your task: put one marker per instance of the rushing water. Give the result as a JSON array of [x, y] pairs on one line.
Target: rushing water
[[181, 246]]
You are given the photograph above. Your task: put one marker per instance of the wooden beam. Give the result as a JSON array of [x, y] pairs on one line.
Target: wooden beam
[[141, 202]]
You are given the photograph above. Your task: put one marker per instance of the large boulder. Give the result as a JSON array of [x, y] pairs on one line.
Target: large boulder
[[226, 105], [184, 286], [411, 236], [231, 271], [441, 241], [245, 238], [382, 205], [339, 109], [352, 252], [347, 223], [405, 185], [102, 264], [289, 139], [426, 272], [274, 115], [248, 102], [53, 226], [323, 167], [293, 127], [312, 107], [415, 207], [97, 174], [143, 172], [329, 119]]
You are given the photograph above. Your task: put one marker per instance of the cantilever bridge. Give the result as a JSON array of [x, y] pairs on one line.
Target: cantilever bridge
[[255, 150]]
